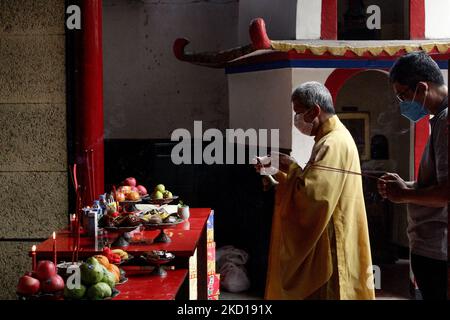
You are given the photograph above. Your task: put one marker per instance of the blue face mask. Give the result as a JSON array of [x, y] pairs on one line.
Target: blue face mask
[[413, 110]]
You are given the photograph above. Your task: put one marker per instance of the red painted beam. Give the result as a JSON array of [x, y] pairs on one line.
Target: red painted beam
[[328, 30], [89, 132], [417, 19]]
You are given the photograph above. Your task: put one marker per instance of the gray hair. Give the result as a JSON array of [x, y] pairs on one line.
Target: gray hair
[[311, 93]]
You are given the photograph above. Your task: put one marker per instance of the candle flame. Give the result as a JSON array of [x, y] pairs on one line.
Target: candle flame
[[54, 235], [74, 216], [33, 248]]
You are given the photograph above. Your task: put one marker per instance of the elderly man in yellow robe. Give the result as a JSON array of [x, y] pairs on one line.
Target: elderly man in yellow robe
[[320, 243]]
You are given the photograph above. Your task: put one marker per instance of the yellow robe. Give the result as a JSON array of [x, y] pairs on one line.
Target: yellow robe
[[320, 242]]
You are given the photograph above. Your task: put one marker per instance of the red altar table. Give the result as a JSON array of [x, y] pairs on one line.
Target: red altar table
[[186, 238], [143, 286]]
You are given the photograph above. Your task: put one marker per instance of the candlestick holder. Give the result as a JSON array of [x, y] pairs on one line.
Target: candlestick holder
[[158, 258], [123, 237]]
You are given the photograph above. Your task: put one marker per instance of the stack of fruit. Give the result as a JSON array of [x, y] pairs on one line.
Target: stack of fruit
[[125, 220], [155, 216], [98, 279], [160, 192], [130, 190], [44, 280], [115, 256]]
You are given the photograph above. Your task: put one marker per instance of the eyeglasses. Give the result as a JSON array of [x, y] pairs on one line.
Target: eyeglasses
[[400, 95]]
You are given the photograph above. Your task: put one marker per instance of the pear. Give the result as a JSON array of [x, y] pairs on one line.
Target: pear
[[99, 291], [158, 195]]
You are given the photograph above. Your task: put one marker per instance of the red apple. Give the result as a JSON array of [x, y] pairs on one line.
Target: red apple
[[45, 270], [28, 285], [53, 284], [134, 189], [130, 182], [142, 190]]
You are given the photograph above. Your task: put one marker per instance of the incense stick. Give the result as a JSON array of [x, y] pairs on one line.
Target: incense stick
[[115, 198], [326, 168], [88, 166], [75, 176], [71, 177], [78, 231], [93, 174]]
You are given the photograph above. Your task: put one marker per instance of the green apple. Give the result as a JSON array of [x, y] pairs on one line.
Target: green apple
[[167, 194], [158, 195], [160, 187]]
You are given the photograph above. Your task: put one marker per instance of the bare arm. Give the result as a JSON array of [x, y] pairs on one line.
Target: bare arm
[[434, 196], [394, 188]]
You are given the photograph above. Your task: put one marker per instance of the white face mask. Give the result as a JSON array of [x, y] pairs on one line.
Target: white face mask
[[302, 126]]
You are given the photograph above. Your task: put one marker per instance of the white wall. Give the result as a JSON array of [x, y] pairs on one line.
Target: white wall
[[445, 73], [261, 100], [437, 19], [279, 15], [301, 144], [147, 92], [309, 19]]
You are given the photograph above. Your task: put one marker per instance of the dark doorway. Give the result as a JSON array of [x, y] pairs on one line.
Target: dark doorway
[[353, 16]]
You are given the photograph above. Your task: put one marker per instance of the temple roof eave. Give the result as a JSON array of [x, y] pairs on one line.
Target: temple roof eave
[[261, 46]]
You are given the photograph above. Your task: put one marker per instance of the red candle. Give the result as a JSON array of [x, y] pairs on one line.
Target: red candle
[[33, 257], [54, 247], [73, 223]]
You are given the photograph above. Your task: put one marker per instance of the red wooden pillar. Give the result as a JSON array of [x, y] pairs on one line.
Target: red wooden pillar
[[88, 111], [416, 19], [328, 28]]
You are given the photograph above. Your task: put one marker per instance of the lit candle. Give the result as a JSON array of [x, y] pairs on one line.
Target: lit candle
[[54, 247], [33, 257], [73, 222]]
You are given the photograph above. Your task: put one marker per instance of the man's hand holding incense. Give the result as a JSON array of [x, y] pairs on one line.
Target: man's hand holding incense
[[391, 186]]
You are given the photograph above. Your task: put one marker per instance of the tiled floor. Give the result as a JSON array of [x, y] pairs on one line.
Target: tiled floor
[[394, 284]]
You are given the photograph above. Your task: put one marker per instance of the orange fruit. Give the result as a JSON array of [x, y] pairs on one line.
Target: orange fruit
[[115, 270], [102, 260], [133, 196], [125, 189]]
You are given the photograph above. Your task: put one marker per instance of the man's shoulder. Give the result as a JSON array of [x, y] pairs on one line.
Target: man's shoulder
[[440, 123], [443, 114], [338, 140]]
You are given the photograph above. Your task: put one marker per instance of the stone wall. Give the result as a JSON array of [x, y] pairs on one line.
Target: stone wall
[[33, 139]]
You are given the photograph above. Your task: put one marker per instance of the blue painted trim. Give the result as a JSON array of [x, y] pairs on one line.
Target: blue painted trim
[[345, 64]]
